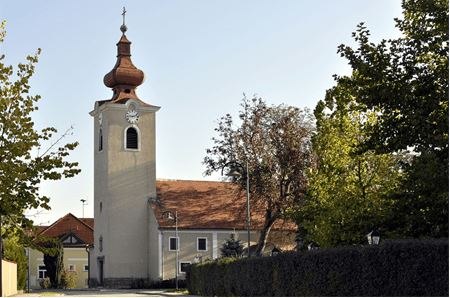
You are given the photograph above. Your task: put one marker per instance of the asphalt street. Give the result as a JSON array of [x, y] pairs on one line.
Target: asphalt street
[[104, 293]]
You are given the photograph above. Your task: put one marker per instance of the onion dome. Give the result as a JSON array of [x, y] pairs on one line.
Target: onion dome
[[124, 77]]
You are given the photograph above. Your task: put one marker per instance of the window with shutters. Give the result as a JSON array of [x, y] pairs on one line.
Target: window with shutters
[[132, 138]]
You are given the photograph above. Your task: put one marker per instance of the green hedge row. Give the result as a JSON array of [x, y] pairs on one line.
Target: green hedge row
[[400, 268]]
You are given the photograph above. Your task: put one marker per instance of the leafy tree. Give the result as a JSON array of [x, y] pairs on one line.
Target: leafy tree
[[349, 191], [275, 143], [15, 252], [232, 248], [25, 160], [53, 251], [406, 81]]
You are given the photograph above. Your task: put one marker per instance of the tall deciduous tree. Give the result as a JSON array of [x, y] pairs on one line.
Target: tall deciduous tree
[[349, 192], [24, 164], [406, 81], [275, 142]]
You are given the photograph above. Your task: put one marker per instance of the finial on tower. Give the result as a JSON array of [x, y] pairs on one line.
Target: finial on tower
[[123, 28]]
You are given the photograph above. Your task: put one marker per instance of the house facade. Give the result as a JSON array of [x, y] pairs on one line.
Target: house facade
[[76, 234], [137, 217]]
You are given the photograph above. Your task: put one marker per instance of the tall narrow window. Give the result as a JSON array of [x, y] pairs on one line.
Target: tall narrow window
[[100, 140], [132, 138], [100, 243], [173, 243]]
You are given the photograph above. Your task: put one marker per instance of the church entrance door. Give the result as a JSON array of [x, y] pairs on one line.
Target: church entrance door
[[101, 261]]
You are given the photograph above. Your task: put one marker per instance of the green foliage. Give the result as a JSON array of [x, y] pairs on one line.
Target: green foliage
[[422, 208], [14, 251], [25, 161], [53, 251], [68, 279], [405, 81], [405, 78], [275, 143], [401, 268], [349, 191], [232, 248]]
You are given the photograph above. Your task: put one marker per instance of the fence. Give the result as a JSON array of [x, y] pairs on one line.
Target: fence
[[9, 278]]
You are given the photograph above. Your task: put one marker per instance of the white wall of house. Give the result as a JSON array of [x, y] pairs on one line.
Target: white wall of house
[[75, 259], [188, 247]]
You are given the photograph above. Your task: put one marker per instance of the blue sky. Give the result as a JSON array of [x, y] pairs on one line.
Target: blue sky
[[199, 57]]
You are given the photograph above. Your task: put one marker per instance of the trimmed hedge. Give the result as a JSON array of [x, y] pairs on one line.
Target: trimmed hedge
[[400, 268]]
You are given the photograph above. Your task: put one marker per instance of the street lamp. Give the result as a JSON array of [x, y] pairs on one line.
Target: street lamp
[[27, 252], [88, 250], [83, 202], [373, 237], [313, 246], [236, 171], [174, 217]]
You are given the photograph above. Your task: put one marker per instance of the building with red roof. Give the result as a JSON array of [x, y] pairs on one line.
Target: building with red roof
[[76, 235], [147, 229]]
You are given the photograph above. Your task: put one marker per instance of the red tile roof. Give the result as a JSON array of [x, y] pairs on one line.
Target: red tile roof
[[88, 221], [207, 205], [81, 228]]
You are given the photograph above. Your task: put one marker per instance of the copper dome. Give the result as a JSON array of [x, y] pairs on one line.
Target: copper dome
[[124, 77]]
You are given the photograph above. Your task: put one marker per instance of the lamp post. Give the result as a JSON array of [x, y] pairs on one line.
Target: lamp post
[[28, 269], [83, 202], [170, 215], [88, 250], [373, 237], [236, 171], [313, 246]]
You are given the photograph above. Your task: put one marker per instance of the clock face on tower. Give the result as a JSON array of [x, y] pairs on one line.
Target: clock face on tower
[[132, 116]]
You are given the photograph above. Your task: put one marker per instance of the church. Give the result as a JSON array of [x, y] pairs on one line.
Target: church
[[148, 230]]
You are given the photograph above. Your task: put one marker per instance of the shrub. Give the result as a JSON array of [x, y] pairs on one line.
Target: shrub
[[232, 248], [68, 279], [14, 251], [397, 268], [45, 283]]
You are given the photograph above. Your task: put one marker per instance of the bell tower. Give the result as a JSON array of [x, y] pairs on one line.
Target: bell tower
[[124, 176]]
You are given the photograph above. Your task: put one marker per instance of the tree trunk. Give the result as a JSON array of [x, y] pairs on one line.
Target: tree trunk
[[269, 219]]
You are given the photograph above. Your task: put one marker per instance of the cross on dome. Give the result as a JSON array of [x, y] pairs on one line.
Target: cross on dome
[[123, 28]]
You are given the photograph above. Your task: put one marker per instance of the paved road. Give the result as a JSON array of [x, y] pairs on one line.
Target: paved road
[[104, 293]]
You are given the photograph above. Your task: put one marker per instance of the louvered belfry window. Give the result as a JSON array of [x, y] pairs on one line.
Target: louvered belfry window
[[132, 138]]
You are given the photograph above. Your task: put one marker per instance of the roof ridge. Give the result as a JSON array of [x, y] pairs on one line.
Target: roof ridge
[[53, 224]]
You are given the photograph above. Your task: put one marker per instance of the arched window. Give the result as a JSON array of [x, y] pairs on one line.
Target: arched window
[[100, 140], [132, 138]]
